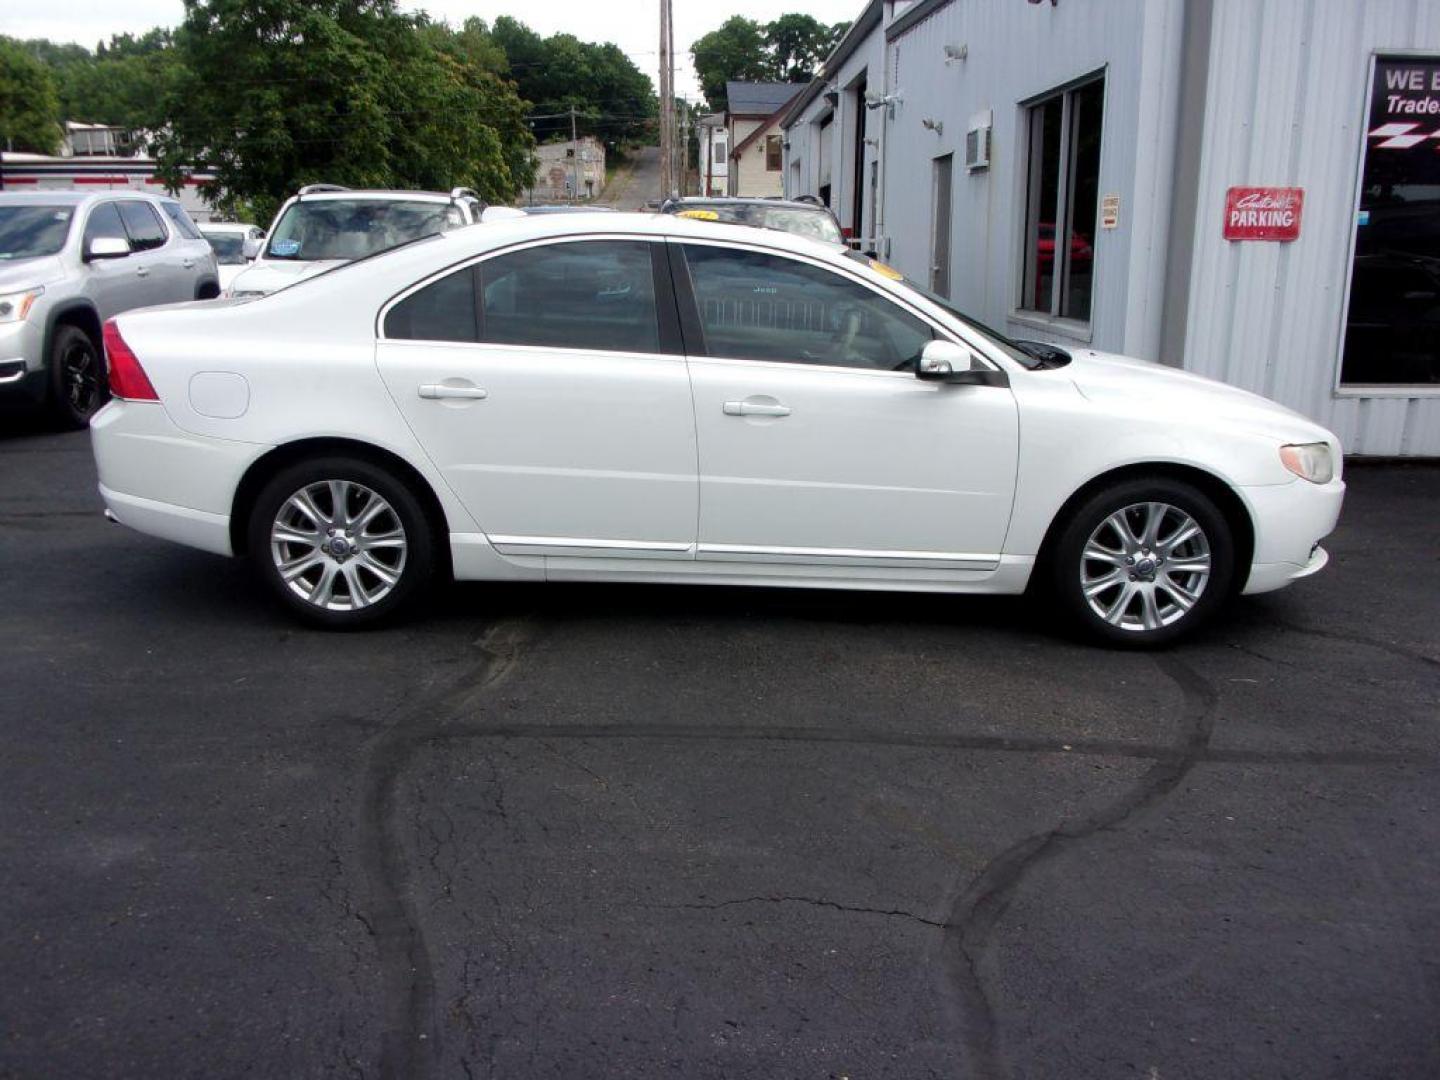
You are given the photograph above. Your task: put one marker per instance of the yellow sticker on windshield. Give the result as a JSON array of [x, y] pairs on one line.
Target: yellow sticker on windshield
[[700, 215], [886, 271]]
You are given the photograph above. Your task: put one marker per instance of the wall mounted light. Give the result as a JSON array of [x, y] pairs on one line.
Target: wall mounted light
[[937, 126]]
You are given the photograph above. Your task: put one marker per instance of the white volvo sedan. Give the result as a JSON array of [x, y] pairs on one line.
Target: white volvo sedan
[[649, 398]]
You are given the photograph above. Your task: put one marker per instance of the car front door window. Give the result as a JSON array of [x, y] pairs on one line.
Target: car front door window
[[758, 306]]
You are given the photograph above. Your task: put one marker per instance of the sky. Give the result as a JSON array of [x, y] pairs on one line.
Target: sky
[[634, 25]]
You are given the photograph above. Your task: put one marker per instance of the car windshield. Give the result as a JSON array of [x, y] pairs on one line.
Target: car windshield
[[229, 247], [816, 224], [1029, 354], [354, 228], [28, 232]]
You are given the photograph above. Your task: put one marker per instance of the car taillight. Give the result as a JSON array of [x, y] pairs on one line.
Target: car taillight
[[127, 378]]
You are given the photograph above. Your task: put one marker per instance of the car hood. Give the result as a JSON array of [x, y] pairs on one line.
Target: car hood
[[271, 274], [1168, 391], [23, 273]]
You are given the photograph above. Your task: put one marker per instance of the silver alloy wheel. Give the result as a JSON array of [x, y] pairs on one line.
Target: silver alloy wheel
[[1145, 566], [338, 545]]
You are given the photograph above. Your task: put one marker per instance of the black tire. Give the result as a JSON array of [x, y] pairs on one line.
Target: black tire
[[352, 575], [1137, 622], [79, 384]]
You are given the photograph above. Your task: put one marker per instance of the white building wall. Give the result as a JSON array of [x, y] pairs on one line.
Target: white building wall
[[1286, 107], [1014, 53]]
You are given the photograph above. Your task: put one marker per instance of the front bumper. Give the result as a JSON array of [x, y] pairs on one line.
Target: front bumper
[[165, 482], [22, 365], [1290, 521]]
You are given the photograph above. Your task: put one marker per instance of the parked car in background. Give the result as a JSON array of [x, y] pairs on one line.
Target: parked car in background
[[641, 397], [68, 262], [227, 239], [812, 220], [325, 225]]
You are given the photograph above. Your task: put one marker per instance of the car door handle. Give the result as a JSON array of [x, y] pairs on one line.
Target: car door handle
[[142, 271], [440, 390], [755, 408]]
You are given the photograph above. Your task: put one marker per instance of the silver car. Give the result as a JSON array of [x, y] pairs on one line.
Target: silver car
[[71, 260]]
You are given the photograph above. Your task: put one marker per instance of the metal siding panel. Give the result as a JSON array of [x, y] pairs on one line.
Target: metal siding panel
[[1288, 85], [1057, 44]]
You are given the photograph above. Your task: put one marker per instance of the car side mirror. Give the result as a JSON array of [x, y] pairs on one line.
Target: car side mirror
[[107, 247], [947, 362], [251, 248]]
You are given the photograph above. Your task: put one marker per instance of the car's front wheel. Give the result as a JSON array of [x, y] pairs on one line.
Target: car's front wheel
[[342, 542], [1144, 561]]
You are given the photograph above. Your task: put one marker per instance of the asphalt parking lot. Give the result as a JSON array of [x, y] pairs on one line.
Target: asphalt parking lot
[[610, 832]]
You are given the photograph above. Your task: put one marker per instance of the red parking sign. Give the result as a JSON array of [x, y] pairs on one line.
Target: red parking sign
[[1263, 213]]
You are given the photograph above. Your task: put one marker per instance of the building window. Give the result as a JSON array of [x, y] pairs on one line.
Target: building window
[[720, 152], [1391, 336], [772, 153], [1062, 193]]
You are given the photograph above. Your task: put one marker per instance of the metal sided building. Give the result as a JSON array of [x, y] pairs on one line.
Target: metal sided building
[[1249, 190]]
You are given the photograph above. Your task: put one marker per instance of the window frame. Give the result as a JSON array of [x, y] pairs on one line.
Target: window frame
[[670, 339], [1339, 389], [778, 142], [694, 333], [1050, 316]]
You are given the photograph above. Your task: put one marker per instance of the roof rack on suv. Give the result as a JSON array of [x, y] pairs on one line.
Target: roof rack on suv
[[315, 189], [466, 193]]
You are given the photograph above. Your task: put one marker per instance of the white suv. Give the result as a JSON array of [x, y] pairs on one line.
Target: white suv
[[325, 225], [71, 260]]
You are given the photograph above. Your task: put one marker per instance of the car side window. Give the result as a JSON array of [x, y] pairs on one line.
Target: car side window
[[756, 306], [182, 221], [444, 310], [104, 222], [588, 294], [143, 225]]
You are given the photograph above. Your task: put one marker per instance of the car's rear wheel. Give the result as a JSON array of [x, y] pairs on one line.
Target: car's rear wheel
[[1144, 562], [341, 541], [78, 385]]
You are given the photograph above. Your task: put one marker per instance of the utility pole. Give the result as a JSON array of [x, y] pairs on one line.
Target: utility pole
[[667, 104], [574, 158]]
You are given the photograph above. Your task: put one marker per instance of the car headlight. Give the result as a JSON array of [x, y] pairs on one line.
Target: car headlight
[[1309, 461], [15, 306]]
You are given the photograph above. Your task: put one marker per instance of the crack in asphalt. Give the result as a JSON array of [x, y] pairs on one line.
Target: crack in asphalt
[[977, 910], [410, 1043], [833, 905]]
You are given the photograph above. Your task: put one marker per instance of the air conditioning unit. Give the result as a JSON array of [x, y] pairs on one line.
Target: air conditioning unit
[[977, 142]]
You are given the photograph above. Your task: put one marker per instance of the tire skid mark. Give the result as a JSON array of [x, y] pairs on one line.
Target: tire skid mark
[[932, 741], [977, 910], [410, 1035]]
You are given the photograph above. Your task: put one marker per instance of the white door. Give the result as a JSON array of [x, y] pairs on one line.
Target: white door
[[558, 407], [817, 442]]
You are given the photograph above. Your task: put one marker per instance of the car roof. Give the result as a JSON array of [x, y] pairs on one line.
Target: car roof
[[752, 200], [71, 198], [626, 223], [377, 193]]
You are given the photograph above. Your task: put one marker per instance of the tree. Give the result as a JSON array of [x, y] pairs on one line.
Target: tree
[[29, 108], [737, 50], [272, 94], [798, 45], [790, 49], [614, 99]]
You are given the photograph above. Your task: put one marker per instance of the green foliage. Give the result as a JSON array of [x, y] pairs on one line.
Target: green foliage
[[273, 94], [790, 49], [29, 108], [737, 50], [615, 100]]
